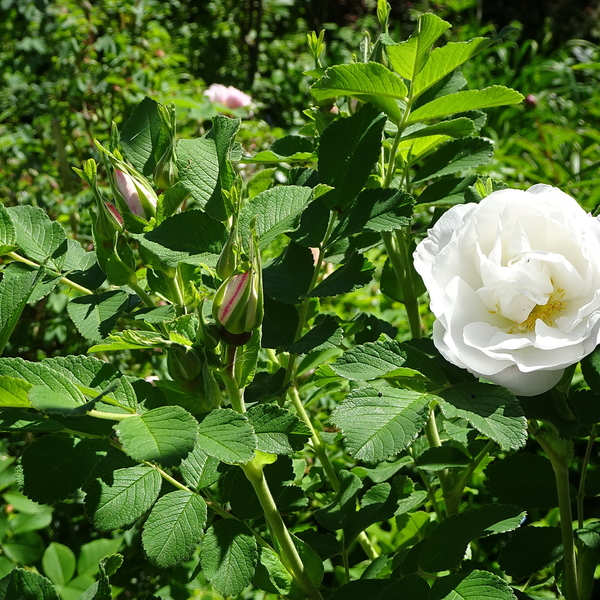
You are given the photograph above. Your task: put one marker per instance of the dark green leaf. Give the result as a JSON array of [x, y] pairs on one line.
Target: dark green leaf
[[28, 585], [191, 237], [446, 546], [227, 436], [523, 479], [529, 550], [349, 148], [95, 316], [491, 409], [266, 386], [287, 278], [276, 210], [380, 422], [54, 467], [476, 585], [166, 434], [370, 360], [325, 334], [118, 498], [442, 457], [278, 431], [279, 324], [8, 236], [411, 586], [201, 470], [450, 190], [229, 555], [141, 136], [352, 275], [174, 528], [457, 155], [376, 210], [37, 236]]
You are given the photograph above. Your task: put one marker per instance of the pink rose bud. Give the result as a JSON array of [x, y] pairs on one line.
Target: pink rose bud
[[140, 198], [531, 101]]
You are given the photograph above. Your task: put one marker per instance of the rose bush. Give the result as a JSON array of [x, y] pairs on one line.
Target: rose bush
[[514, 283]]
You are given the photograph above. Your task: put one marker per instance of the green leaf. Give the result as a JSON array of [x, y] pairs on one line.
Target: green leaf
[[277, 430], [271, 575], [223, 132], [276, 210], [16, 287], [348, 149], [18, 419], [477, 585], [279, 324], [120, 497], [92, 377], [198, 164], [227, 436], [8, 235], [457, 155], [523, 479], [368, 82], [92, 552], [59, 563], [166, 434], [325, 334], [28, 585], [445, 59], [446, 546], [408, 58], [380, 422], [412, 586], [375, 210], [200, 470], [352, 275], [450, 190], [370, 360], [95, 316], [41, 374], [229, 556], [491, 409], [291, 148], [442, 457], [24, 548], [529, 550], [496, 95], [191, 237], [131, 339], [247, 359], [141, 136], [13, 392], [54, 467], [48, 401], [288, 277], [457, 128], [37, 236], [174, 528]]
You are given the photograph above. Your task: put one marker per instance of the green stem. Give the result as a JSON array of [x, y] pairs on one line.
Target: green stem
[[235, 394], [411, 302], [581, 490], [458, 488], [433, 437], [557, 454], [290, 558], [321, 453], [146, 299], [109, 416], [65, 280]]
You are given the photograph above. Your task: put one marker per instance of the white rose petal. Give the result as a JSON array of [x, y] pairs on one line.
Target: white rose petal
[[514, 282]]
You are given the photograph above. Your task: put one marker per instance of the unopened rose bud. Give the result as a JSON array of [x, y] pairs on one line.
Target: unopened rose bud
[[183, 363], [238, 303], [166, 173], [139, 197], [531, 101]]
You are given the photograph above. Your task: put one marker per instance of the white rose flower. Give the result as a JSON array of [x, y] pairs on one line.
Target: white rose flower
[[514, 282]]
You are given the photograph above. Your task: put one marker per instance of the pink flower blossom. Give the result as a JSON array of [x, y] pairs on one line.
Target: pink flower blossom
[[227, 96]]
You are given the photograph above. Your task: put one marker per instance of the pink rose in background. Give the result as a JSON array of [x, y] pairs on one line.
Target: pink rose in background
[[227, 96]]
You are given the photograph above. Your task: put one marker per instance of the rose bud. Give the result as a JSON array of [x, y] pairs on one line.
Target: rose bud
[[139, 197]]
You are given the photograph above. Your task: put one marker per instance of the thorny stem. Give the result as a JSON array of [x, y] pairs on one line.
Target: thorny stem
[[65, 280]]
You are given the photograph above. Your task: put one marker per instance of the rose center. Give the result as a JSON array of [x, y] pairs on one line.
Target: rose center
[[547, 313]]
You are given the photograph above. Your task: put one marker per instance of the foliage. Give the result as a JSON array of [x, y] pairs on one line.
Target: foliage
[[321, 447]]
